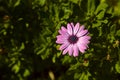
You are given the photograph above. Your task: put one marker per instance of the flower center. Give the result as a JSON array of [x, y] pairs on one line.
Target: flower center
[[73, 39]]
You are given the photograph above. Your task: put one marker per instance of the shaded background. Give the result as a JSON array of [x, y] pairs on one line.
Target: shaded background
[[28, 30]]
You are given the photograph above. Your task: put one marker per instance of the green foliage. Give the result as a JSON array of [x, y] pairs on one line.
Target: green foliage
[[28, 30]]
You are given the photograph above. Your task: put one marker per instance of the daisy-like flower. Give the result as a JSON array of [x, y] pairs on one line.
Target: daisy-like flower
[[73, 39]]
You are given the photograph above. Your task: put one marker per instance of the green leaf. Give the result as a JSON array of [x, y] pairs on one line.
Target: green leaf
[[74, 1], [21, 47], [41, 2], [77, 75], [101, 7], [117, 67], [91, 7], [26, 73], [16, 67], [17, 3], [118, 33], [97, 24], [85, 76], [75, 66], [101, 15]]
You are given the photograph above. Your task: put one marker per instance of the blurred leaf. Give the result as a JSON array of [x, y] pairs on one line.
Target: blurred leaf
[[16, 67], [42, 2], [66, 59], [85, 76], [74, 1], [97, 24], [77, 75], [91, 7], [118, 33], [22, 47], [39, 2], [26, 73], [17, 3], [117, 67], [101, 15], [75, 66], [117, 7], [46, 54], [101, 7]]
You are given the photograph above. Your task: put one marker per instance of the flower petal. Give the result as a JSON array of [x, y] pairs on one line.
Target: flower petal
[[81, 50], [60, 31], [81, 28], [63, 46], [81, 33], [61, 39], [63, 29], [76, 28], [75, 50], [69, 29], [82, 47], [65, 51], [84, 40], [70, 51], [72, 25], [60, 42]]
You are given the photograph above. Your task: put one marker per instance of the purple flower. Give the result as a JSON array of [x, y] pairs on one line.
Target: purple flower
[[73, 39]]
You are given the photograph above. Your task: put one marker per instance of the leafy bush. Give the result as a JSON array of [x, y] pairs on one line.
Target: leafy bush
[[28, 30]]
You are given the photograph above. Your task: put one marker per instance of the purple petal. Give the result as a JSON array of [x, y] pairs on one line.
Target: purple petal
[[84, 40], [76, 28], [75, 50], [70, 49], [69, 29], [61, 39], [63, 33], [81, 33], [82, 47], [86, 37], [81, 28], [63, 29], [63, 46], [60, 42], [72, 24], [82, 50], [60, 31], [65, 51]]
